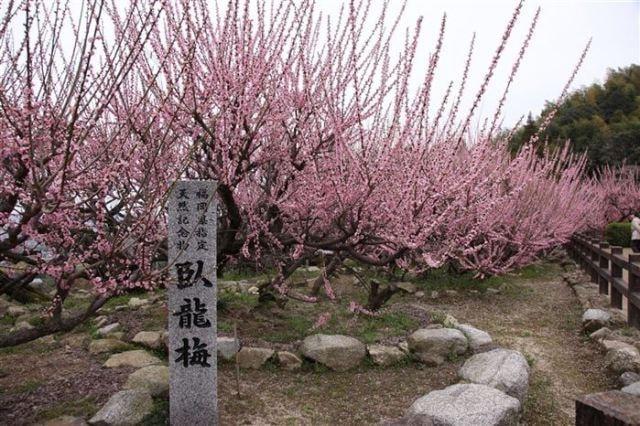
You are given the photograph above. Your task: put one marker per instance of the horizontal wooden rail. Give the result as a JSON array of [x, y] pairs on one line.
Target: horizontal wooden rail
[[606, 265]]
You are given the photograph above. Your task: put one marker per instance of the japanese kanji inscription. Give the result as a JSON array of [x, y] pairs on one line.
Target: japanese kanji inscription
[[192, 303]]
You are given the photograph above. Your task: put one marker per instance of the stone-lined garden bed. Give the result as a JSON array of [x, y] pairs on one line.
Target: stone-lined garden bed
[[493, 381]]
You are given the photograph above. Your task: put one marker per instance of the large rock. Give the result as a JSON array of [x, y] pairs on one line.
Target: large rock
[[227, 347], [118, 335], [468, 405], [137, 359], [22, 325], [339, 353], [633, 389], [42, 285], [601, 333], [385, 355], [406, 286], [433, 346], [150, 339], [228, 285], [289, 361], [102, 346], [449, 320], [478, 339], [628, 378], [16, 311], [101, 320], [107, 329], [503, 369], [593, 319], [622, 359], [253, 357], [608, 345], [127, 407], [136, 302], [154, 379]]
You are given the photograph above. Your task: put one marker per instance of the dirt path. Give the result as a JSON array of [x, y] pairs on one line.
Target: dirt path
[[543, 322]]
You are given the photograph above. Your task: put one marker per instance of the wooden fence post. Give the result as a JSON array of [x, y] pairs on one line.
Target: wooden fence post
[[616, 272], [610, 408], [594, 261], [603, 284], [633, 311]]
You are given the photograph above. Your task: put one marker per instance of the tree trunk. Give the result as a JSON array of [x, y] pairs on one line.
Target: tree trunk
[[18, 288], [51, 326], [329, 270], [377, 297]]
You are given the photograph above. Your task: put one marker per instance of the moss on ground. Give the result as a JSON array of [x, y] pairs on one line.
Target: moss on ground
[[84, 407]]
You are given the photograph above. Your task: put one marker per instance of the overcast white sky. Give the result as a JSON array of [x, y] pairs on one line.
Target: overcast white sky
[[563, 29]]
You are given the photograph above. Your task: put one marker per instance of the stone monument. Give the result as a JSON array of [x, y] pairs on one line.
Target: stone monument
[[192, 292]]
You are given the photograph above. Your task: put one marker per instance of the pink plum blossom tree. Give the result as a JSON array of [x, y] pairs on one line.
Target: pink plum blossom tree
[[311, 126], [86, 157]]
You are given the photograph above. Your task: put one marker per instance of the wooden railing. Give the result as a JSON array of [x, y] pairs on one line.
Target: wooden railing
[[606, 265]]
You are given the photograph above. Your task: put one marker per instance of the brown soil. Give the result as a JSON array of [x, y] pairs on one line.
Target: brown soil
[[42, 380], [538, 316]]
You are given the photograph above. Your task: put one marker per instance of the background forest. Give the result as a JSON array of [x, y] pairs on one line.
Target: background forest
[[602, 120]]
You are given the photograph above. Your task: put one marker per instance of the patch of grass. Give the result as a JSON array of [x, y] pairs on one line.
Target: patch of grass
[[516, 291], [530, 359], [225, 326], [240, 274], [441, 279], [7, 320], [90, 328], [303, 274], [159, 415], [84, 407], [437, 317], [75, 303], [36, 321], [35, 346], [394, 323], [536, 271], [453, 357], [28, 386], [570, 321], [160, 353], [122, 299], [368, 336], [540, 407], [367, 329], [237, 301], [271, 365], [314, 367], [294, 328], [154, 318], [11, 350]]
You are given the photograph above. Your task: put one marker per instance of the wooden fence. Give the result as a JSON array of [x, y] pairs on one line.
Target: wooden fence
[[607, 266]]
